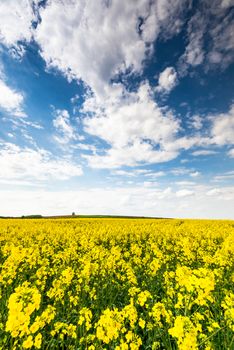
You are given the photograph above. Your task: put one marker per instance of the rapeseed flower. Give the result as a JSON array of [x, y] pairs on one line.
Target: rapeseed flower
[[120, 284]]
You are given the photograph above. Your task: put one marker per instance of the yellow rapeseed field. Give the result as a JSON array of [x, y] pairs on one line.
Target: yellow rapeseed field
[[116, 284]]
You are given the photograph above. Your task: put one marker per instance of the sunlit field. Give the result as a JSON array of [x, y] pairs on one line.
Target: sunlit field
[[116, 284]]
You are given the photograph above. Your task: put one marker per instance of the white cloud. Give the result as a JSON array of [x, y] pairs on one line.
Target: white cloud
[[124, 173], [222, 130], [156, 174], [130, 126], [185, 171], [144, 172], [210, 36], [11, 100], [195, 174], [132, 155], [22, 123], [184, 193], [180, 171], [84, 146], [137, 172], [229, 175], [135, 128], [213, 192], [66, 132], [22, 126], [196, 122], [34, 164], [135, 118], [149, 183], [222, 52], [16, 19], [167, 80], [231, 153], [92, 40], [194, 53], [227, 3], [95, 40], [203, 152]]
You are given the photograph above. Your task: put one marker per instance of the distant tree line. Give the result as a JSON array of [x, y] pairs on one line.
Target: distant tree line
[[31, 216]]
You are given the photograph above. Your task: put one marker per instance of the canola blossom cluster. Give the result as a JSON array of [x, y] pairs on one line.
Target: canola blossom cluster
[[121, 284]]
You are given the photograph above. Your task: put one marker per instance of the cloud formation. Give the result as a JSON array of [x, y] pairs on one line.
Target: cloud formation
[[16, 23], [19, 163], [65, 131], [129, 125], [203, 152], [222, 130], [105, 38], [11, 100], [100, 41], [231, 153], [167, 80], [210, 36]]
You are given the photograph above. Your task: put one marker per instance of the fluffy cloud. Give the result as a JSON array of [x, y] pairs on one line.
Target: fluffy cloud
[[91, 40], [131, 173], [213, 192], [203, 152], [16, 21], [195, 174], [156, 174], [136, 116], [11, 100], [63, 126], [196, 122], [30, 164], [167, 80], [210, 36], [222, 48], [231, 153], [229, 175], [194, 53], [96, 40], [184, 193], [184, 171], [222, 130], [107, 37], [130, 126]]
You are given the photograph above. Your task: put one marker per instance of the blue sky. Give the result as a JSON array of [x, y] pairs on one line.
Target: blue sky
[[115, 107]]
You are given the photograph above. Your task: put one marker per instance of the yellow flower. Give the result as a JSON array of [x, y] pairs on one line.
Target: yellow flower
[[109, 325], [162, 274], [28, 343], [185, 332], [141, 323], [37, 341], [142, 297]]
